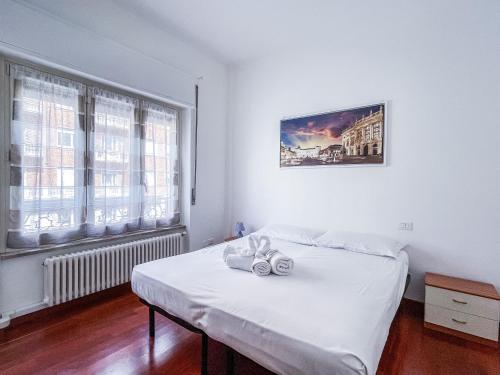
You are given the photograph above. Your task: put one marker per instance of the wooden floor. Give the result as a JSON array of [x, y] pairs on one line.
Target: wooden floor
[[110, 336]]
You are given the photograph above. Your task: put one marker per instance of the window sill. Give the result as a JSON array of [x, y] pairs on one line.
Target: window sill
[[93, 243]]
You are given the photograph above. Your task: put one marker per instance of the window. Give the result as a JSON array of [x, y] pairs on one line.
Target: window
[[47, 159], [115, 197], [87, 162], [161, 165]]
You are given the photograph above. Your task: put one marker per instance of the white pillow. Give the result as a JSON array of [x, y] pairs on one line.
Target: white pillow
[[290, 233], [361, 243]]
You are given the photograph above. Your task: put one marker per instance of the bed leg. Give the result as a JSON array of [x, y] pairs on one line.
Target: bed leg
[[204, 354], [151, 322], [229, 361]]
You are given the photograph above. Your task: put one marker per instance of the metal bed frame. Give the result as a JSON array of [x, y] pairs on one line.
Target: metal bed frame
[[204, 336]]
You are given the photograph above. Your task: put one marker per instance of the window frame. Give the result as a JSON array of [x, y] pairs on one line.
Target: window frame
[[5, 121]]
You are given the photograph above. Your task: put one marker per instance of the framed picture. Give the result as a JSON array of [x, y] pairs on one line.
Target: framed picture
[[353, 136]]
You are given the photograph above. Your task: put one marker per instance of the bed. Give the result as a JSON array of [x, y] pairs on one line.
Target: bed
[[330, 316]]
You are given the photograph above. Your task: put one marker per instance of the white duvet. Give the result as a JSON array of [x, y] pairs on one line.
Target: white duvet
[[330, 316]]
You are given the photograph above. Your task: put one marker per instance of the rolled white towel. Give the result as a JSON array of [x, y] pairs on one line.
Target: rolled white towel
[[281, 264], [241, 262], [237, 251], [261, 267], [228, 250]]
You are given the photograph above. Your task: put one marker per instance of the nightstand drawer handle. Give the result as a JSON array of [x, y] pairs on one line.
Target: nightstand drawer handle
[[457, 301], [458, 321]]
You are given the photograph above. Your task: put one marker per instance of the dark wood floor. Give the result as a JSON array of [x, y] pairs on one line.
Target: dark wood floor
[[110, 336]]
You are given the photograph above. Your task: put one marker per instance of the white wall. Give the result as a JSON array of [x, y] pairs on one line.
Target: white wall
[[437, 63], [142, 58]]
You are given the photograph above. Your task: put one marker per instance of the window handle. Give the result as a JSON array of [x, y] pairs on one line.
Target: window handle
[[458, 301], [458, 321]]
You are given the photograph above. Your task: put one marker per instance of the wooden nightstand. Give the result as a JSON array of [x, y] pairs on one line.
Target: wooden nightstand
[[464, 308]]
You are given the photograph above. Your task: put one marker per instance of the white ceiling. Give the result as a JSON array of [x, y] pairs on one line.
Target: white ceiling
[[238, 30], [234, 31]]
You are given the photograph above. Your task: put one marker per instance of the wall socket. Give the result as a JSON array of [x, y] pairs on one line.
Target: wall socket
[[406, 226]]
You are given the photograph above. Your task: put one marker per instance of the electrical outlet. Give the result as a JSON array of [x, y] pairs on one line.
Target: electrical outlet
[[406, 226]]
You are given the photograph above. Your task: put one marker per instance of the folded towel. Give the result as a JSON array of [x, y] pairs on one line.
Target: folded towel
[[241, 262], [281, 264], [244, 259], [260, 244], [261, 267], [237, 251], [228, 250]]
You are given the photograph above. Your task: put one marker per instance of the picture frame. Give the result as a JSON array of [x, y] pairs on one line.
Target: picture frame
[[351, 136]]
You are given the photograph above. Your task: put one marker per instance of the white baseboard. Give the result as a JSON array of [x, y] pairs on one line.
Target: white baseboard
[[8, 315], [4, 321]]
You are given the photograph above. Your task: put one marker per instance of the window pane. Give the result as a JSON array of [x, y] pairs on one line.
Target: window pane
[[160, 164], [115, 195], [47, 163]]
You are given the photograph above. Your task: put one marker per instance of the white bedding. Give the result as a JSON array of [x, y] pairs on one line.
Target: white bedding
[[330, 316]]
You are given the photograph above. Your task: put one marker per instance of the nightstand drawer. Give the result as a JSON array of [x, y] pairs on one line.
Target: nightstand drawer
[[467, 303], [471, 324]]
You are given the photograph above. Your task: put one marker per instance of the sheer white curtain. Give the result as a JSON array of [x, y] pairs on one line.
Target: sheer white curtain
[[160, 166], [128, 181], [47, 189], [115, 192]]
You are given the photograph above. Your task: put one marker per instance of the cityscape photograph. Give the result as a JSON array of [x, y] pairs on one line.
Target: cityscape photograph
[[352, 136]]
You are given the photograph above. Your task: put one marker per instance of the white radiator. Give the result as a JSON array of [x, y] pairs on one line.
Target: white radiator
[[70, 276]]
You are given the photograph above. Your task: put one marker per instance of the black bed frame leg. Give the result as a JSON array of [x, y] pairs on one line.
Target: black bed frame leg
[[229, 361], [204, 354], [151, 322], [182, 323]]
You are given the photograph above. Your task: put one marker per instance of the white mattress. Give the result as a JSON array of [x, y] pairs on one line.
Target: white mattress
[[330, 316]]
